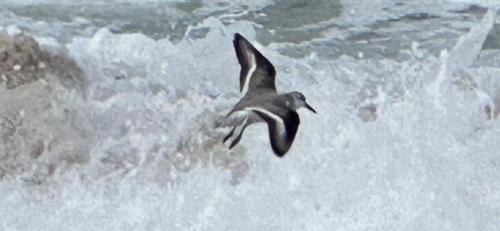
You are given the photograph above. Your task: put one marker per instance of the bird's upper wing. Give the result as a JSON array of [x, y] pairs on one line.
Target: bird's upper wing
[[282, 125], [256, 71]]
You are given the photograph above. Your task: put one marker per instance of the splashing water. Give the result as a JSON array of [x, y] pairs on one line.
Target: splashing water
[[109, 124]]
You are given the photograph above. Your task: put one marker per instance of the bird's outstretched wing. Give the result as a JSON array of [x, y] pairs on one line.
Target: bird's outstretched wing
[[256, 71], [282, 125]]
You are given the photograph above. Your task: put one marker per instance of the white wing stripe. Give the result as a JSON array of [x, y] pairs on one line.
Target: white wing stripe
[[280, 123], [253, 66]]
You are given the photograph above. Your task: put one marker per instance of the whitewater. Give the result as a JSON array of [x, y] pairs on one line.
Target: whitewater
[[107, 113]]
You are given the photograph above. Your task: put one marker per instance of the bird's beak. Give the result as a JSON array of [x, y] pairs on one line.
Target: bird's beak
[[309, 107]]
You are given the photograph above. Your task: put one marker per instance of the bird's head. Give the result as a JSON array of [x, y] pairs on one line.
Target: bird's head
[[299, 100]]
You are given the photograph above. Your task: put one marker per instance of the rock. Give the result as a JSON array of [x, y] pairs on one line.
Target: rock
[[41, 131], [22, 62], [19, 59]]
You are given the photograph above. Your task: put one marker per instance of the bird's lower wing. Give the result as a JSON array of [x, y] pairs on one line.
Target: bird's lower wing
[[282, 127]]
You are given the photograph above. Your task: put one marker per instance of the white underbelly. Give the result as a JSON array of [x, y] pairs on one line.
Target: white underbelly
[[238, 117]]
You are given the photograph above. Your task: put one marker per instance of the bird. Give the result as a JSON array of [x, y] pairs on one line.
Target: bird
[[261, 102]]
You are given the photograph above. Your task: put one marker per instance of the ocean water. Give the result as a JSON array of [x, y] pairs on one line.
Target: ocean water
[[118, 132]]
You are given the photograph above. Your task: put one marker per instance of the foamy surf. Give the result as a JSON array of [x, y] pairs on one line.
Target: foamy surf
[[406, 135]]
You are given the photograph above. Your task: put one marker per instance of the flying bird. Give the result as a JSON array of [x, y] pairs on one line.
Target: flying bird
[[261, 102]]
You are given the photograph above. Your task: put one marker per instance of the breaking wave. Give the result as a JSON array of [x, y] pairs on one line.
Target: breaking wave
[[107, 117]]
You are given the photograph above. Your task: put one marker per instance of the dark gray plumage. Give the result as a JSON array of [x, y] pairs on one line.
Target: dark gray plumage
[[261, 103]]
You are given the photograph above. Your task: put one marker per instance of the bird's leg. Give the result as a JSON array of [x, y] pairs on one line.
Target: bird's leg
[[240, 126], [229, 135], [238, 138]]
